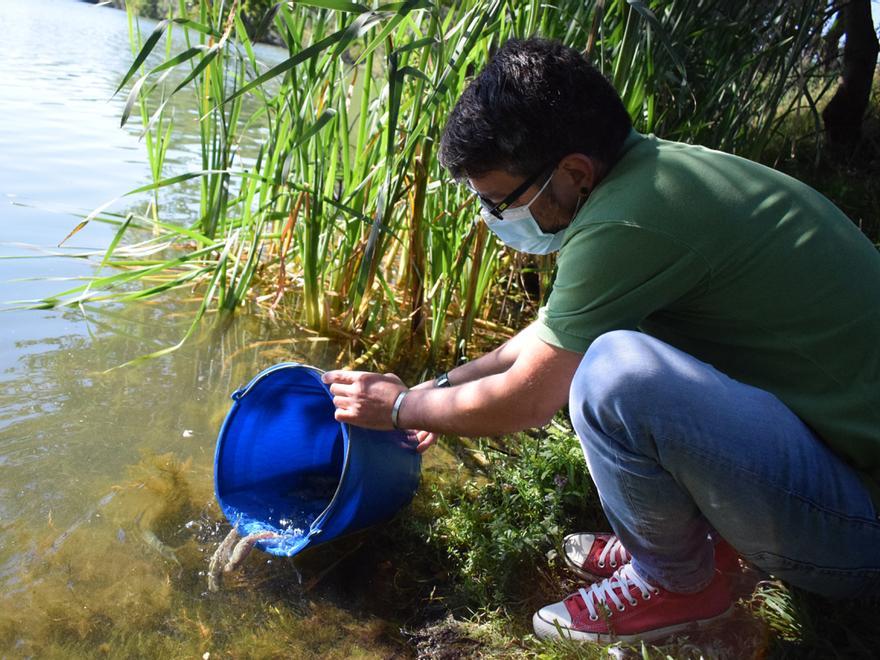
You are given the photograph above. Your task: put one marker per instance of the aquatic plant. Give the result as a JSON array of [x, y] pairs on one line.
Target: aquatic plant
[[343, 212]]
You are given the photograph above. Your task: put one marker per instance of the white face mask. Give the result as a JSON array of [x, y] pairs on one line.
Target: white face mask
[[519, 229]]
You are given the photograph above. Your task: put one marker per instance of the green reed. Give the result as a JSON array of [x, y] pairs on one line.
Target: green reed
[[345, 214]]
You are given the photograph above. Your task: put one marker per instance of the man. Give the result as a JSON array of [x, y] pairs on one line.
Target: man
[[713, 328]]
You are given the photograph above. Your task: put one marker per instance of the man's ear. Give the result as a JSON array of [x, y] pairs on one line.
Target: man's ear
[[581, 172]]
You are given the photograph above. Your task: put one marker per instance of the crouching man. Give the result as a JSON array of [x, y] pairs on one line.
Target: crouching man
[[713, 327]]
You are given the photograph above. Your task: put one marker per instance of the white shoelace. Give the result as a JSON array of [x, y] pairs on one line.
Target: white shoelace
[[607, 589], [614, 546]]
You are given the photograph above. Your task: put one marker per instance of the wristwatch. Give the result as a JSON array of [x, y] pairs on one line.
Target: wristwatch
[[442, 380]]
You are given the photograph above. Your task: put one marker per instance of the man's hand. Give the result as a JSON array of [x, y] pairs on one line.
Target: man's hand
[[525, 395], [425, 440], [363, 398]]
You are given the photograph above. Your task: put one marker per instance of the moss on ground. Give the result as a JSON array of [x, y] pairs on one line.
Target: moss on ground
[[478, 554]]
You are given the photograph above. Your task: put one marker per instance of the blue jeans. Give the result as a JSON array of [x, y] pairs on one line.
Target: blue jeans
[[679, 451]]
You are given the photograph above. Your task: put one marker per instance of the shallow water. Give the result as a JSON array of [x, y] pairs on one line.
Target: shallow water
[[107, 513]]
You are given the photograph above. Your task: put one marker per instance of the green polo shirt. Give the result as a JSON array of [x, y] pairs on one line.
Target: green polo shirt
[[739, 265]]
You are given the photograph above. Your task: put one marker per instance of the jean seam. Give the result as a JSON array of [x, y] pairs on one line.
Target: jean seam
[[629, 500], [827, 570], [638, 520]]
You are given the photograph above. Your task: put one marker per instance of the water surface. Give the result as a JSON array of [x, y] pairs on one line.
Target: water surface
[[107, 514]]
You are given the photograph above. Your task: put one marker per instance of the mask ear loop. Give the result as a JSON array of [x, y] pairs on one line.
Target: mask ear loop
[[540, 191], [585, 194]]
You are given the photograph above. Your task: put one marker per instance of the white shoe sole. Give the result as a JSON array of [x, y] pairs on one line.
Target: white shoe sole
[[548, 630]]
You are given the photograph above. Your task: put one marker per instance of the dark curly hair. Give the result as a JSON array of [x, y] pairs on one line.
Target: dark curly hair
[[534, 102]]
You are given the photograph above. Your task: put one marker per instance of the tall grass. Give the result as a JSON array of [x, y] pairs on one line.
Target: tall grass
[[345, 215]]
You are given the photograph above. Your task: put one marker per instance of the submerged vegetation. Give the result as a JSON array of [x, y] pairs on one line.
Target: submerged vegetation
[[127, 581], [458, 575], [342, 215]]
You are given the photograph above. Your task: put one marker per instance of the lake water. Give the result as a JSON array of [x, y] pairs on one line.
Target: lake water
[[107, 514]]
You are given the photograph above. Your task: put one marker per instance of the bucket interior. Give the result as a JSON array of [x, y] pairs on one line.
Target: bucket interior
[[282, 455]]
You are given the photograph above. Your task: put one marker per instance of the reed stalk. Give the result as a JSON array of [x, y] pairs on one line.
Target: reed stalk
[[345, 213]]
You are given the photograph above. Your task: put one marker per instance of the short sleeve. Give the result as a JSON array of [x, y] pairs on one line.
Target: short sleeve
[[611, 276]]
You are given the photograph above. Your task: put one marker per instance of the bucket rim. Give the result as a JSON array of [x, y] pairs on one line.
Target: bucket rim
[[316, 526]]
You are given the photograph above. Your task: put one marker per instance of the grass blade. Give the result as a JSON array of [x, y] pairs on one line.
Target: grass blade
[[149, 44], [285, 66], [338, 5]]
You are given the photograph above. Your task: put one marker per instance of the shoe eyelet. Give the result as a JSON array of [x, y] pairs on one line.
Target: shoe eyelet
[[656, 592], [621, 608], [601, 564], [647, 596], [614, 564], [633, 602], [594, 618]]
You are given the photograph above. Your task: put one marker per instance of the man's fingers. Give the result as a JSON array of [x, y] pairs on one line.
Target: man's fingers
[[363, 398], [343, 403], [341, 389], [426, 439], [340, 376]]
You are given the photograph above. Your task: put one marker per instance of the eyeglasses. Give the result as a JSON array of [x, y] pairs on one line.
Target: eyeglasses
[[498, 209]]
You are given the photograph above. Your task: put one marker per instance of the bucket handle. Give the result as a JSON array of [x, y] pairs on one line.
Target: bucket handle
[[242, 391]]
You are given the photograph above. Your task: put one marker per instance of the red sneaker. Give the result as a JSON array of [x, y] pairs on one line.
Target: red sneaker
[[624, 607], [596, 556], [726, 558]]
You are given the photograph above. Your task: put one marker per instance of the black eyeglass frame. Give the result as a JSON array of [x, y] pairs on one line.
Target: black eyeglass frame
[[498, 209]]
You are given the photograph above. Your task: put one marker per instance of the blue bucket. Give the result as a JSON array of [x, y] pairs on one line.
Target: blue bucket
[[283, 464]]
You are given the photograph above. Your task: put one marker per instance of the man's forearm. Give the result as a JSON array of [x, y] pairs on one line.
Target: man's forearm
[[480, 407], [525, 395], [494, 362]]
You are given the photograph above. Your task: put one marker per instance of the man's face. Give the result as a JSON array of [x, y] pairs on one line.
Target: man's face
[[553, 209]]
